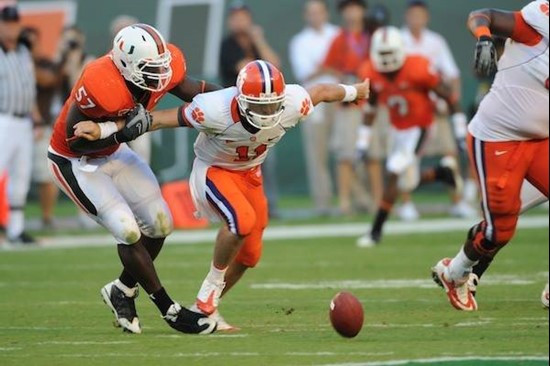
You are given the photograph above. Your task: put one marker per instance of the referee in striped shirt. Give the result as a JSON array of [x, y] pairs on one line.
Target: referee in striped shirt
[[17, 101]]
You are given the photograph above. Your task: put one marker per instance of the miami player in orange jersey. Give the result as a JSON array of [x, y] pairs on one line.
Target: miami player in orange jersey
[[403, 83], [238, 126], [109, 181]]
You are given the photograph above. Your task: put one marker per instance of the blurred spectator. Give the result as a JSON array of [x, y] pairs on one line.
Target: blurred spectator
[[308, 50], [48, 83], [142, 145], [246, 43], [17, 101], [377, 16], [422, 41], [348, 50]]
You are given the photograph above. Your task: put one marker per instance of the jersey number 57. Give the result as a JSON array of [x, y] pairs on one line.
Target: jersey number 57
[[83, 100]]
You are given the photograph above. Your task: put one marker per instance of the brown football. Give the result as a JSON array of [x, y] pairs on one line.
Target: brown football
[[346, 314]]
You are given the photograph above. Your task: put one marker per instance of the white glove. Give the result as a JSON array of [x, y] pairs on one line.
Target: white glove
[[460, 126], [363, 141]]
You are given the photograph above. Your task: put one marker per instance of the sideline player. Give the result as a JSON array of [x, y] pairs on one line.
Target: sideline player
[[509, 138], [109, 181], [403, 83], [238, 126]]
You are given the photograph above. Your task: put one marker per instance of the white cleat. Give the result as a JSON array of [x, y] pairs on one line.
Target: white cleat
[[458, 291], [208, 298], [545, 297], [223, 325], [463, 210], [366, 241], [408, 212]]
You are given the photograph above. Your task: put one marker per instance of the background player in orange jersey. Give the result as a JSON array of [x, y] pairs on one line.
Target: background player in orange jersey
[[238, 126], [403, 84], [109, 181]]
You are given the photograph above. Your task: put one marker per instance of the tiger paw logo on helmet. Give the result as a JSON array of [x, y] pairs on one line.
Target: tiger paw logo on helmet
[[545, 8], [198, 115]]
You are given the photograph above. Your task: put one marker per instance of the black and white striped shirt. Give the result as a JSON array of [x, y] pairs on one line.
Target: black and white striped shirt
[[17, 81]]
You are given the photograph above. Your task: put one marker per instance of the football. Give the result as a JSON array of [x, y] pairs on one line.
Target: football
[[346, 314]]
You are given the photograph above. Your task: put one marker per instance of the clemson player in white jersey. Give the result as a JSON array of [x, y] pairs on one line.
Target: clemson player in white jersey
[[238, 126], [508, 142]]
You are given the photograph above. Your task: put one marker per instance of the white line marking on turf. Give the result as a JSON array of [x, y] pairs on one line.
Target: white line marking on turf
[[494, 280], [83, 343], [8, 349], [294, 232], [440, 360]]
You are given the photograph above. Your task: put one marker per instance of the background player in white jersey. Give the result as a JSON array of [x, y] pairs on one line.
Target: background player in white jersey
[[509, 138], [238, 126]]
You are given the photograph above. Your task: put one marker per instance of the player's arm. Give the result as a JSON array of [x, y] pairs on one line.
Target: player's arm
[[458, 118], [486, 23], [330, 93], [86, 135], [189, 88], [364, 134]]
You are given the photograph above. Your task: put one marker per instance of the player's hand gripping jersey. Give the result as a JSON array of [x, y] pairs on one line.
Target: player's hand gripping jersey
[[516, 109], [406, 95], [101, 93], [224, 141]]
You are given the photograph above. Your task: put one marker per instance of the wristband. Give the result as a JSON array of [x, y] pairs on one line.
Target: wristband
[[107, 129], [482, 31], [351, 93]]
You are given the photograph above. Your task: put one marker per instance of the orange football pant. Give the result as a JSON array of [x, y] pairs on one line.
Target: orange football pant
[[241, 203], [501, 168]]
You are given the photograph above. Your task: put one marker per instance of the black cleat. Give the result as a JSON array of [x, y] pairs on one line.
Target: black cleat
[[188, 322], [123, 307], [23, 238]]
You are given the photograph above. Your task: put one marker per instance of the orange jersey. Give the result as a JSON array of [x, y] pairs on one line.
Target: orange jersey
[[347, 52], [407, 94], [101, 93]]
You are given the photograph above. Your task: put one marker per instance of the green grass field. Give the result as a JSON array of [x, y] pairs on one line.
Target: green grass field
[[51, 312]]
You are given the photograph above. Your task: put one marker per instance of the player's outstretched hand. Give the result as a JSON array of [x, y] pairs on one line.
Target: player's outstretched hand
[[88, 130], [138, 122], [363, 90], [486, 57]]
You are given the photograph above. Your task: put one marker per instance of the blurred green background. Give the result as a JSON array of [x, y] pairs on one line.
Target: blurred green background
[[281, 19]]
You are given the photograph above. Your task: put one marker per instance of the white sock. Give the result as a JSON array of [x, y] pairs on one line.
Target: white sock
[[461, 266], [129, 292], [16, 224], [216, 275]]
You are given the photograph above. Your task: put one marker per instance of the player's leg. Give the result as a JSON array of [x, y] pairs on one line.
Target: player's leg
[[225, 195], [138, 186], [500, 177], [403, 176], [19, 171], [92, 189]]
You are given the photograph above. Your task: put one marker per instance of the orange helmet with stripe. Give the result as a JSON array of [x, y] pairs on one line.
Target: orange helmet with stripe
[[261, 94]]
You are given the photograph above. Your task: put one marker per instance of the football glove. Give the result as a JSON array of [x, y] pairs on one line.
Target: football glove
[[138, 122], [460, 127], [486, 57]]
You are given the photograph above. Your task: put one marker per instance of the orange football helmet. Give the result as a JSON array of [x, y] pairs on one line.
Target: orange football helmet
[[261, 94]]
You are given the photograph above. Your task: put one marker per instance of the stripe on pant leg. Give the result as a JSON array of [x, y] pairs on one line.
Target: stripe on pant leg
[[222, 205], [421, 140], [479, 156], [68, 179]]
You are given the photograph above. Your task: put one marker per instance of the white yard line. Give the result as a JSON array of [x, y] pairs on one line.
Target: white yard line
[[440, 360], [490, 280], [294, 232]]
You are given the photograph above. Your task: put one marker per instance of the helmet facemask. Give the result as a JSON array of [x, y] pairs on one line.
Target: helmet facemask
[[262, 113], [153, 75], [389, 60]]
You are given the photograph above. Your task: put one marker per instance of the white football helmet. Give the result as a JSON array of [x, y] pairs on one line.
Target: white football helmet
[[388, 50], [142, 57]]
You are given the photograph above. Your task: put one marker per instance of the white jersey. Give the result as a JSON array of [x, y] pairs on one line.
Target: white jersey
[[516, 109], [224, 142]]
